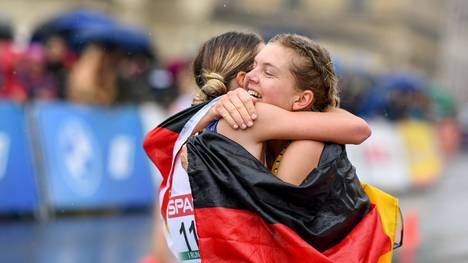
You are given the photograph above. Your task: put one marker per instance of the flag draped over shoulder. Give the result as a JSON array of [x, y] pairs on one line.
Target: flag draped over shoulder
[[243, 213], [159, 145]]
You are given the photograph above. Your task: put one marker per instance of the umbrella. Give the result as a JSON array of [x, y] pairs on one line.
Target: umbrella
[[444, 103], [6, 28], [70, 23], [402, 82], [130, 39], [390, 87]]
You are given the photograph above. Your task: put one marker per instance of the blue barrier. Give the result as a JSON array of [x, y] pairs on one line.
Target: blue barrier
[[93, 157], [18, 188]]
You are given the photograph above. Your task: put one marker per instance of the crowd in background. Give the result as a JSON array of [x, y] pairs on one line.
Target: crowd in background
[[402, 96], [87, 57], [85, 63]]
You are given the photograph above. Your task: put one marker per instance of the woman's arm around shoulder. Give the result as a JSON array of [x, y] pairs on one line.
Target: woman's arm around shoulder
[[275, 123], [335, 125], [298, 160]]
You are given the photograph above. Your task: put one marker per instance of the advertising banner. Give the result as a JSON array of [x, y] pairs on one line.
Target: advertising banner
[[93, 157], [382, 159], [425, 158], [18, 187]]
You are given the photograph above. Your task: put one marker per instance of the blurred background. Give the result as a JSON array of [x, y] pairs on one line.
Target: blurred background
[[81, 82]]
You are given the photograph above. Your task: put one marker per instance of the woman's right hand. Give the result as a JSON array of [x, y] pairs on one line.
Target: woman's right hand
[[237, 108], [184, 158]]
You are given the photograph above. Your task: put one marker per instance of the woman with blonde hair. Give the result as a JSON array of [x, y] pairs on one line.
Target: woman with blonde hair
[[220, 68], [235, 198]]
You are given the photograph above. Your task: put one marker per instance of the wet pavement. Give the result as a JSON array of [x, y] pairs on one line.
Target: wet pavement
[[123, 238], [441, 210]]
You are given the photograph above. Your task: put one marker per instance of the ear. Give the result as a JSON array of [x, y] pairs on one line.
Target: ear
[[240, 78], [303, 100]]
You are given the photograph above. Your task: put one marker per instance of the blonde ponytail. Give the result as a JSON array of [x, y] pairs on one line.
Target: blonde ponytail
[[220, 59], [214, 85], [315, 72]]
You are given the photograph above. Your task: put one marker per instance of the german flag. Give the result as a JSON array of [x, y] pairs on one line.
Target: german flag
[[160, 146], [241, 213]]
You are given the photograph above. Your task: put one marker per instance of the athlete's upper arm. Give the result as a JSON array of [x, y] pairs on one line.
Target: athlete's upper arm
[[275, 123], [299, 159], [352, 130], [336, 125]]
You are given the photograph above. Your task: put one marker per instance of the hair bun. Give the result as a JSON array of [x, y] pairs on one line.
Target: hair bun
[[214, 84], [212, 76]]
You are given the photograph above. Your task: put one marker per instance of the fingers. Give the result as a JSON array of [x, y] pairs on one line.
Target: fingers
[[183, 157], [247, 110], [226, 115], [238, 111], [237, 108], [233, 113], [241, 106]]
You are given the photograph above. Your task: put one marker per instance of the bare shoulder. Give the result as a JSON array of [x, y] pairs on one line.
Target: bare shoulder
[[269, 117], [265, 109], [306, 144], [299, 159], [311, 149], [246, 138], [225, 129]]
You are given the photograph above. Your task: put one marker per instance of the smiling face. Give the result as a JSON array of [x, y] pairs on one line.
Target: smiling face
[[220, 60], [271, 80]]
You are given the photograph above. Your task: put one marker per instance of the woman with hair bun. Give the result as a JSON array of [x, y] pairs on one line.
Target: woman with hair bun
[[220, 68], [237, 203]]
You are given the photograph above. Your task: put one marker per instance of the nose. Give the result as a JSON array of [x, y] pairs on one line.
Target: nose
[[251, 76]]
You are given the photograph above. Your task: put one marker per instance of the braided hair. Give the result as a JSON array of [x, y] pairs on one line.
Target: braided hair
[[220, 59], [314, 71]]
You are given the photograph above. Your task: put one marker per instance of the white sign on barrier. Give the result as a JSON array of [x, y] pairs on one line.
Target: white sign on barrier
[[151, 116], [4, 153], [121, 157], [382, 159], [81, 157]]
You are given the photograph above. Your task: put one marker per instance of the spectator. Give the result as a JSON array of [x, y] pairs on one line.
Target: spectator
[[182, 74], [59, 59], [33, 75], [6, 30], [133, 79], [93, 79], [10, 87]]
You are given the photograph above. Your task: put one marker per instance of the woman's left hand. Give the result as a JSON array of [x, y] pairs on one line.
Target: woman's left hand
[[237, 108], [183, 157]]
